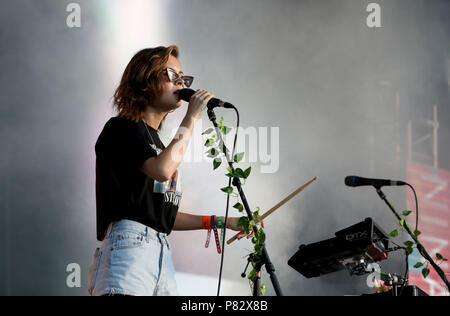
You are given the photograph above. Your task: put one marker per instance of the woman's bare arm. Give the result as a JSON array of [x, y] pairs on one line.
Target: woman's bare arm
[[163, 166], [186, 221]]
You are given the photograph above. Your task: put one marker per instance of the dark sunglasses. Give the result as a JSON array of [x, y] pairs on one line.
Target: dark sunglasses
[[174, 76]]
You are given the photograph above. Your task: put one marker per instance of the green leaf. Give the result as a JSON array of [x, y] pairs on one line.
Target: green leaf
[[405, 224], [418, 265], [259, 248], [406, 213], [208, 131], [425, 272], [260, 236], [209, 142], [225, 130], [247, 172], [256, 216], [408, 244], [394, 233], [217, 162], [417, 233], [212, 153], [227, 190], [243, 222], [440, 257], [409, 250], [252, 275], [257, 261], [263, 290], [224, 149], [238, 157], [239, 173], [220, 123], [239, 207]]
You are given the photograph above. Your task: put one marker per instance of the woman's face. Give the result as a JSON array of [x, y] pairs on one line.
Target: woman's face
[[169, 99]]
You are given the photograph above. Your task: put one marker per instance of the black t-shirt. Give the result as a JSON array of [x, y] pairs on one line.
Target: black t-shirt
[[122, 190]]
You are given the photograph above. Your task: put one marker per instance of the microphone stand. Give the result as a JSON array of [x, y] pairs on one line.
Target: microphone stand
[[420, 247], [237, 183]]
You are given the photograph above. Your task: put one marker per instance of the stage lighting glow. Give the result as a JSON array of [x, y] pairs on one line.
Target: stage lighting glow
[[130, 27]]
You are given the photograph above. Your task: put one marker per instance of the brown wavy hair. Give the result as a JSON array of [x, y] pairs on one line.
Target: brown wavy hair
[[141, 83]]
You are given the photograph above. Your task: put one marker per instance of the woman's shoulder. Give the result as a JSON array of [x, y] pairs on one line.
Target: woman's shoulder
[[121, 121], [122, 124], [117, 128]]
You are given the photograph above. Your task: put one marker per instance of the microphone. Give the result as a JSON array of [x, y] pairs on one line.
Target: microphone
[[186, 94], [354, 181]]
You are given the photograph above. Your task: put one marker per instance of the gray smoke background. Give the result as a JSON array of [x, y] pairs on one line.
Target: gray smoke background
[[340, 93]]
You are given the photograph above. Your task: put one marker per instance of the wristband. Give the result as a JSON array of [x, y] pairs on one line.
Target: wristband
[[216, 235], [220, 223], [213, 222], [207, 225], [206, 222]]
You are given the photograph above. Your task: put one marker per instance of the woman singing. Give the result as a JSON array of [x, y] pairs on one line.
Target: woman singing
[[137, 185]]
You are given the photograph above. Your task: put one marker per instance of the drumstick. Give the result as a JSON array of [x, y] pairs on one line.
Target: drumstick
[[273, 209]]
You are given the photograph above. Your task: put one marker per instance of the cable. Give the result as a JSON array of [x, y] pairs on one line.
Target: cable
[[228, 203], [407, 255], [417, 206], [399, 247]]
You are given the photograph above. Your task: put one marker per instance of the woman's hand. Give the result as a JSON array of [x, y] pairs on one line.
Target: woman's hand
[[198, 103], [232, 223]]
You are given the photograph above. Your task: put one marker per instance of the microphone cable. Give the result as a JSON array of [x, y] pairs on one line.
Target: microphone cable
[[228, 202], [417, 207]]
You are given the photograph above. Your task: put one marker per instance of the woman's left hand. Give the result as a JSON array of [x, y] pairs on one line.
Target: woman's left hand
[[232, 223]]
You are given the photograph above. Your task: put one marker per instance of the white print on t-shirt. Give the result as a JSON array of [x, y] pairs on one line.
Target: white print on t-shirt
[[158, 150], [170, 188], [173, 198]]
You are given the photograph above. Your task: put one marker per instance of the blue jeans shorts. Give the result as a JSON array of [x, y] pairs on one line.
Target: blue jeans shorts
[[133, 259]]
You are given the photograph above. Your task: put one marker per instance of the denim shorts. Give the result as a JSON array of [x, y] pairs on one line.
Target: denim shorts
[[133, 259]]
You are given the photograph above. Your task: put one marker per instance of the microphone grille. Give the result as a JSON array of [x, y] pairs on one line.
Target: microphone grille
[[350, 181], [186, 94]]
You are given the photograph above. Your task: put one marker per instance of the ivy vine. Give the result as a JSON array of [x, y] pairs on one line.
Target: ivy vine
[[218, 150], [411, 245]]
